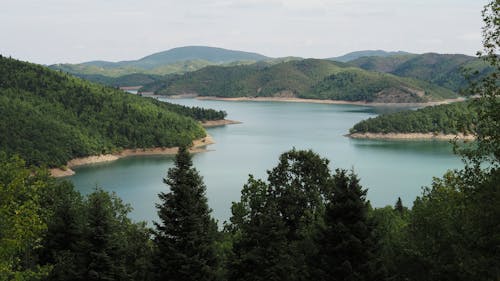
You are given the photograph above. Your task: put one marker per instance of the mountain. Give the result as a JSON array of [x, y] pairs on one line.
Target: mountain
[[310, 78], [48, 117], [446, 70], [177, 60], [192, 53], [368, 53]]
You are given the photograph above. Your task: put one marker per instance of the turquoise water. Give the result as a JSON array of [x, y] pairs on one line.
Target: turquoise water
[[387, 168]]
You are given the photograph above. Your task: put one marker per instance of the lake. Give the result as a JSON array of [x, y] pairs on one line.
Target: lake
[[389, 169]]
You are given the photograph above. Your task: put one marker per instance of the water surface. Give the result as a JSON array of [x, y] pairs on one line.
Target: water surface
[[387, 168]]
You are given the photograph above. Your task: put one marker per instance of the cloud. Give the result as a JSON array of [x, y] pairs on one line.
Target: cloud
[[470, 36], [128, 29]]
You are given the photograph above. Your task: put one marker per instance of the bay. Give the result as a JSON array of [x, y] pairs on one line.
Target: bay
[[389, 169]]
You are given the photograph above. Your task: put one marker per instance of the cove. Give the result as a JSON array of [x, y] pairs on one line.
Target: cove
[[387, 168]]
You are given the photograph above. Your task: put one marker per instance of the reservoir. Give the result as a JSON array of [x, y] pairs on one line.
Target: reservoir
[[388, 169]]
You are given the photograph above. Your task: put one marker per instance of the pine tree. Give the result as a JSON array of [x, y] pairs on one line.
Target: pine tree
[[103, 252], [399, 206], [347, 246], [185, 236]]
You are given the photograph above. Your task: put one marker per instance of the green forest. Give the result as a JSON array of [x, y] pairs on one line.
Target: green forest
[[304, 221], [450, 71], [454, 118], [309, 78], [49, 117], [176, 60]]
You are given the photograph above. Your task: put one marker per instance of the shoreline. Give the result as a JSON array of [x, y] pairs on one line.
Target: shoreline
[[198, 146], [410, 136], [283, 99], [218, 123], [303, 100]]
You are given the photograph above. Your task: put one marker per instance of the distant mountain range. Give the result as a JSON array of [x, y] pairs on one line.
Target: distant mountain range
[[368, 53], [177, 60], [181, 54], [400, 73], [309, 78], [446, 70], [186, 59]]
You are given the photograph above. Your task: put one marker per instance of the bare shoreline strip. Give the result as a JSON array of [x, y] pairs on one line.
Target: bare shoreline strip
[[411, 136], [218, 123], [293, 99], [283, 99], [198, 146]]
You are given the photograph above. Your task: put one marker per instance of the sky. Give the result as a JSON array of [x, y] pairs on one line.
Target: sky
[[72, 31]]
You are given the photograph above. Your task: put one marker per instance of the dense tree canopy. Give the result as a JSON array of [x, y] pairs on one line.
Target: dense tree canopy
[[310, 78], [452, 118], [48, 117], [302, 225]]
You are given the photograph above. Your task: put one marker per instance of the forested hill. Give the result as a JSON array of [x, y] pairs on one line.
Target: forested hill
[[310, 78], [446, 70], [48, 117], [177, 60], [367, 53], [446, 119]]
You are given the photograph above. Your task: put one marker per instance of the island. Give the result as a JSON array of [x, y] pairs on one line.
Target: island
[[441, 122]]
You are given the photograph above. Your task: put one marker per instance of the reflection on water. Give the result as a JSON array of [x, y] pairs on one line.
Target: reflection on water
[[430, 147], [377, 110]]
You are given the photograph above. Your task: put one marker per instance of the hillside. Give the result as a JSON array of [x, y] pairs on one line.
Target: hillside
[[211, 54], [177, 60], [48, 117], [445, 70], [452, 119], [310, 78], [367, 53], [127, 80]]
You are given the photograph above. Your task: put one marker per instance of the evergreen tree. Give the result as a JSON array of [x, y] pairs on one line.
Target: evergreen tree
[[399, 206], [275, 223], [186, 234], [103, 253], [65, 227], [260, 252], [347, 244]]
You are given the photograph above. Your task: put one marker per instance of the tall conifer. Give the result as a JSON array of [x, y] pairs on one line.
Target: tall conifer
[[185, 235], [347, 244]]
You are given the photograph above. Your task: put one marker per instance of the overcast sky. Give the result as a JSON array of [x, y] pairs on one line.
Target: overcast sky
[[54, 31]]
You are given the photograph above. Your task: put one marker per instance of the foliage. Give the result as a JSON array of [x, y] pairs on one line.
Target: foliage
[[310, 78], [185, 237], [22, 222], [127, 74], [391, 228], [127, 80], [452, 231], [487, 150], [260, 250], [177, 60], [369, 53], [48, 117], [347, 244], [280, 228], [452, 118], [357, 85], [445, 70]]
